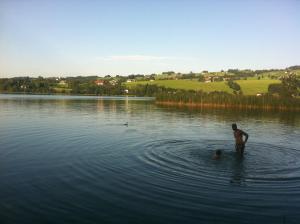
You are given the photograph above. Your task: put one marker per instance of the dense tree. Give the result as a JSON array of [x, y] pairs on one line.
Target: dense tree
[[294, 67], [233, 85], [201, 78], [275, 89], [290, 85], [188, 76]]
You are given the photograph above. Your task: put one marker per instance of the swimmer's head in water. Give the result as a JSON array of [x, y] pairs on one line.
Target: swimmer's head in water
[[234, 127], [218, 152]]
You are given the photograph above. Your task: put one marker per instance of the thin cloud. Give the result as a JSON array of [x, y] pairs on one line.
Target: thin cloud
[[133, 58]]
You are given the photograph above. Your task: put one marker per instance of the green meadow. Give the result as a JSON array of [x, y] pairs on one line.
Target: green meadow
[[252, 87], [186, 85], [249, 87]]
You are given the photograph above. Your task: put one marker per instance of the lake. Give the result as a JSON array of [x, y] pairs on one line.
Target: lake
[[78, 159]]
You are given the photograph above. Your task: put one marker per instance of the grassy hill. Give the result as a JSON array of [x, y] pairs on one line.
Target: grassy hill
[[187, 85], [249, 87]]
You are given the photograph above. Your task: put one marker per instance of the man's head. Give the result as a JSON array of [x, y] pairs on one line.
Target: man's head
[[218, 152], [234, 127]]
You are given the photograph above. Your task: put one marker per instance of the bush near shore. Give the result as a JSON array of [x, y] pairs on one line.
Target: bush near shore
[[225, 100]]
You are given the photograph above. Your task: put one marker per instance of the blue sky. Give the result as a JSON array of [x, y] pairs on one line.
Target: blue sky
[[73, 37]]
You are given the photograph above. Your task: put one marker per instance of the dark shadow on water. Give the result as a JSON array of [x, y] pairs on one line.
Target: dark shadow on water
[[238, 170]]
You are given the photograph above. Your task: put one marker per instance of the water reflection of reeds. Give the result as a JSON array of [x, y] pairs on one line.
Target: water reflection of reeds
[[288, 118]]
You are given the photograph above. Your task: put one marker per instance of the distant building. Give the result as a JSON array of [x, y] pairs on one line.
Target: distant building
[[99, 82], [62, 82], [217, 78], [208, 79], [113, 82]]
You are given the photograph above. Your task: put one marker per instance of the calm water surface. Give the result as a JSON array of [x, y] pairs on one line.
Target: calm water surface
[[66, 159]]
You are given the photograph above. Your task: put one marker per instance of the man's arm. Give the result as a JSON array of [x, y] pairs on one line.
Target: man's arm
[[246, 136]]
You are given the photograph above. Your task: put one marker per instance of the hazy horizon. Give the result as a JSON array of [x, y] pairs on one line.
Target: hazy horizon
[[71, 38], [114, 75]]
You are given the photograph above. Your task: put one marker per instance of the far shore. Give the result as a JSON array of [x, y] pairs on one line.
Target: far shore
[[67, 94], [176, 103], [227, 106]]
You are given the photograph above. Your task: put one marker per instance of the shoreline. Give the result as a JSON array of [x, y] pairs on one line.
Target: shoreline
[[59, 94], [227, 106], [180, 104]]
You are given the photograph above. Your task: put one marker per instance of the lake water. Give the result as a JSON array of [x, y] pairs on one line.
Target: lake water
[[67, 159]]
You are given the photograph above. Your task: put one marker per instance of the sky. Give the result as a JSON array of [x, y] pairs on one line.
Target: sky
[[121, 37]]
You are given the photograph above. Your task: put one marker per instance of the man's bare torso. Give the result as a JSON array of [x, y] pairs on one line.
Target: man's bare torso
[[238, 135]]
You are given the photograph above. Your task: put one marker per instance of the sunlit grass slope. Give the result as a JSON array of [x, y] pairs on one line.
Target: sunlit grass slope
[[187, 85], [249, 87], [252, 87]]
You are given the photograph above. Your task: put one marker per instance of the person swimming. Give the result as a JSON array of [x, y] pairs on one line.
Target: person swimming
[[218, 154], [239, 141]]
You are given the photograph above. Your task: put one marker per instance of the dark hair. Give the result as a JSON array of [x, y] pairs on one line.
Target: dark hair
[[234, 126], [218, 152]]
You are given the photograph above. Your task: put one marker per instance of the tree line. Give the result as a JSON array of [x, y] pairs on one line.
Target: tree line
[[284, 95], [73, 85]]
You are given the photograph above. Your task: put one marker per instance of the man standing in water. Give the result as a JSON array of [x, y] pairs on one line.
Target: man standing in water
[[239, 142]]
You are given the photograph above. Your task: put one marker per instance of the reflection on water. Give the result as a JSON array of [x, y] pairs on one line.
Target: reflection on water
[[287, 118], [238, 170], [72, 160]]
